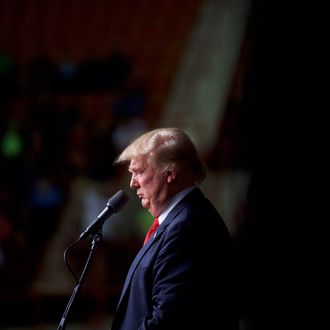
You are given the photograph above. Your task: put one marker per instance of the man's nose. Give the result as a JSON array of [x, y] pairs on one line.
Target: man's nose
[[133, 183]]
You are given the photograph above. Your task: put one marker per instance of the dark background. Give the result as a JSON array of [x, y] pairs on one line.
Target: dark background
[[71, 73]]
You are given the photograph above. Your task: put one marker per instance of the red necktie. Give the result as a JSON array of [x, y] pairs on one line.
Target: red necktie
[[152, 229]]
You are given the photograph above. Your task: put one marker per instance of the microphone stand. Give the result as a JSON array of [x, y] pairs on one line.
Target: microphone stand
[[97, 237]]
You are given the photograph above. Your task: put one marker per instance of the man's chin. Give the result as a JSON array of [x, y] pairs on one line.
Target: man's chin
[[145, 204]]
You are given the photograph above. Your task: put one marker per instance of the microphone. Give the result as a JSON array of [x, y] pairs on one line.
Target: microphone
[[115, 204]]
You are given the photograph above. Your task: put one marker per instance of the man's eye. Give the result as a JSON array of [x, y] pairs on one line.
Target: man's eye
[[137, 173]]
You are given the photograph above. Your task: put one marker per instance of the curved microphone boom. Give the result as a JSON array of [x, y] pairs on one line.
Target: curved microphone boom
[[115, 204]]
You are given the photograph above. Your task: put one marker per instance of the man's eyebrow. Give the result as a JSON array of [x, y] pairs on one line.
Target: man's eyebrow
[[133, 168]]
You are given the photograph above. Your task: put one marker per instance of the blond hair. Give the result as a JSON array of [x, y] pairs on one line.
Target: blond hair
[[164, 148]]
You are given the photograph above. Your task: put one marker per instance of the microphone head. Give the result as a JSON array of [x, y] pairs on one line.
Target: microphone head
[[118, 201]]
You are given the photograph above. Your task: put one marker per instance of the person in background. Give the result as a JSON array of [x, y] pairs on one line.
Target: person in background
[[183, 275]]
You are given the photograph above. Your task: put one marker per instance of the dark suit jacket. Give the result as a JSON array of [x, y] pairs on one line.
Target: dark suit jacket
[[182, 278]]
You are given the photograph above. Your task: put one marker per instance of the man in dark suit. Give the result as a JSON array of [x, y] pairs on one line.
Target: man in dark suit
[[182, 278]]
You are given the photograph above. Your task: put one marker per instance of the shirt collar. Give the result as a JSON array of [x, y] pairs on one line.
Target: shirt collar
[[174, 201]]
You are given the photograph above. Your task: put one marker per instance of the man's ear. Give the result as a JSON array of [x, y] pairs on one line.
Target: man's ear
[[171, 175]]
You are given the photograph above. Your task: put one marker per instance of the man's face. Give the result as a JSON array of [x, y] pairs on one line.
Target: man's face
[[150, 184]]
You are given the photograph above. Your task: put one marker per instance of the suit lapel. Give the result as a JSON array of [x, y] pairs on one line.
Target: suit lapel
[[138, 258]]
